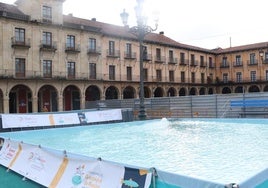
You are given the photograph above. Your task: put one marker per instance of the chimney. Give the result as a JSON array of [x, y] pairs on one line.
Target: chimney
[[161, 32], [94, 19]]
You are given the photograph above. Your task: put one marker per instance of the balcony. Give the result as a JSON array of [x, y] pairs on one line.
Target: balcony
[[238, 64], [94, 51], [203, 64], [113, 53], [194, 63], [147, 57], [211, 65], [131, 56], [48, 47], [172, 60], [160, 59], [72, 49], [24, 44], [252, 62], [224, 65]]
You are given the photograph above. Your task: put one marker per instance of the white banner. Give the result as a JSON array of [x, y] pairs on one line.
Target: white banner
[[65, 119], [8, 152], [106, 115]]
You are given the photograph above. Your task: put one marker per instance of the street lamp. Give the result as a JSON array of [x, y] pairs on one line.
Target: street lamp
[[140, 31]]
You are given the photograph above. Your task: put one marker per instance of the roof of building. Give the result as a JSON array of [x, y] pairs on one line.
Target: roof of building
[[10, 8]]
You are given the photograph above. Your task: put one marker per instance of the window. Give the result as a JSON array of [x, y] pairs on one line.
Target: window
[[158, 54], [225, 78], [253, 76], [224, 62], [70, 42], [47, 68], [47, 13], [193, 77], [238, 61], [128, 50], [111, 72], [238, 77], [47, 39], [145, 73], [92, 45], [182, 58], [171, 57], [71, 69], [202, 78], [129, 73], [111, 48], [92, 70], [266, 75], [20, 67], [182, 77], [171, 76], [158, 75], [20, 35], [192, 59], [210, 62], [202, 63], [252, 59], [145, 53]]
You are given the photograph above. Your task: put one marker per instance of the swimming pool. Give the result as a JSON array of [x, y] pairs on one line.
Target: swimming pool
[[218, 150]]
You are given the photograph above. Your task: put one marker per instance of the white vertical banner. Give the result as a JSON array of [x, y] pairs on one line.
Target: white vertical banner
[[9, 151]]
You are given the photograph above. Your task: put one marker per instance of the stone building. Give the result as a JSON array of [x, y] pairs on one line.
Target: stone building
[[55, 62]]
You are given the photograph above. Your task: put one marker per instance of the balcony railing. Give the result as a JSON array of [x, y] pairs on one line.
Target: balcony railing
[[72, 49], [48, 47], [25, 43], [147, 57], [224, 65], [128, 55], [113, 53], [172, 60], [160, 59], [238, 64], [194, 63], [94, 51], [252, 62], [203, 64]]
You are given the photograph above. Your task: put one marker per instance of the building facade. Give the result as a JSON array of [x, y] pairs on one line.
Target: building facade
[[55, 62]]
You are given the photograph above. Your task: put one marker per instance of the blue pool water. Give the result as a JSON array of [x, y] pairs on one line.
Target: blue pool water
[[219, 150]]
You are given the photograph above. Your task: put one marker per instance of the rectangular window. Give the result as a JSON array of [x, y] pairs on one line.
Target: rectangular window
[[210, 62], [128, 50], [192, 59], [238, 61], [238, 77], [20, 67], [111, 72], [92, 71], [266, 75], [129, 73], [158, 75], [193, 77], [70, 43], [182, 77], [202, 78], [224, 62], [158, 54], [252, 60], [145, 74], [171, 56], [253, 76], [111, 48], [202, 62], [182, 58], [225, 78], [171, 76], [20, 35], [71, 69], [47, 68], [92, 45], [145, 53], [47, 39], [47, 12]]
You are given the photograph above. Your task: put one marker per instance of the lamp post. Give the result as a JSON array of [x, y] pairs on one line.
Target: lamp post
[[261, 53], [140, 31]]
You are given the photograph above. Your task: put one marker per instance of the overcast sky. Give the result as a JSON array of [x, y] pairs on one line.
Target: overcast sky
[[204, 23]]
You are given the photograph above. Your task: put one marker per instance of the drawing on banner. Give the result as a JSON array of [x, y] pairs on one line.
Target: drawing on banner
[[36, 161], [135, 178], [1, 143]]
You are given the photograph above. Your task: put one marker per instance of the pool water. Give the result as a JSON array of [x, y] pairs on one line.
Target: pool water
[[219, 150]]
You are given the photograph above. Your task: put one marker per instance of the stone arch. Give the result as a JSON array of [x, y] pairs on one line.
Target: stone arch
[[202, 91], [253, 88], [92, 93], [210, 91], [239, 89], [71, 98], [111, 93], [182, 92], [226, 90], [129, 93], [159, 92], [193, 91], [20, 99], [265, 89], [47, 99], [171, 92], [147, 92]]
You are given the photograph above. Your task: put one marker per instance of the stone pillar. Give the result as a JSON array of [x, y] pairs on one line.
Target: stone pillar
[[6, 104], [82, 102], [35, 104]]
